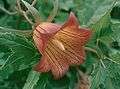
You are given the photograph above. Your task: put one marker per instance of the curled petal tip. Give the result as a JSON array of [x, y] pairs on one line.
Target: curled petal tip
[[72, 21], [72, 15], [43, 32]]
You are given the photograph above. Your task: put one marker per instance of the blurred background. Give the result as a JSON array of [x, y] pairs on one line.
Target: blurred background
[[88, 13]]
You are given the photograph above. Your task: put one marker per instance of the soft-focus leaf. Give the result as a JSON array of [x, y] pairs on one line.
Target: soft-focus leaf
[[102, 27], [90, 12], [13, 81], [116, 30], [33, 11], [42, 82], [46, 81], [23, 53], [115, 56], [67, 5], [32, 80], [98, 77], [113, 73]]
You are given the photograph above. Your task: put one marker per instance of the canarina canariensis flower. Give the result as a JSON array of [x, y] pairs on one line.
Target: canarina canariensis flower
[[61, 46]]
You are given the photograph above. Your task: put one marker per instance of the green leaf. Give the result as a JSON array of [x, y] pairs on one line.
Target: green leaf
[[32, 80], [102, 27], [44, 8], [33, 11], [12, 3], [46, 81], [16, 80], [4, 54], [66, 5], [105, 49], [21, 50], [5, 20], [115, 56], [42, 82], [116, 30], [91, 12], [108, 84], [98, 77], [113, 74], [14, 22], [61, 17], [73, 78], [4, 74]]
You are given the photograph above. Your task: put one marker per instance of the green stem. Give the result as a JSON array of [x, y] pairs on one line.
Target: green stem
[[99, 56], [102, 63], [8, 12], [111, 60], [27, 18], [92, 50], [25, 32], [54, 12], [33, 11]]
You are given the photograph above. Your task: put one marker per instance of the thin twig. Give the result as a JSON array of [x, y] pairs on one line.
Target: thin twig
[[19, 6], [22, 32], [25, 13], [93, 69], [102, 63], [8, 12], [111, 60], [97, 42], [34, 2], [83, 80], [54, 12], [92, 50]]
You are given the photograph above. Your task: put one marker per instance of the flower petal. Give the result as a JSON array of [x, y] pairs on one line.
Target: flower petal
[[43, 65], [72, 21], [85, 35], [61, 46], [48, 28], [73, 52], [58, 62], [43, 32], [73, 32], [79, 37]]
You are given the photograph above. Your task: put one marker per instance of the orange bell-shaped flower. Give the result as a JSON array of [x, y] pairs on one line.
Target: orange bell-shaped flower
[[61, 46]]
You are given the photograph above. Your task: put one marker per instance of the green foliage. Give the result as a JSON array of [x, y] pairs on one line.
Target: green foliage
[[98, 76], [91, 12], [18, 55], [32, 79], [46, 81]]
